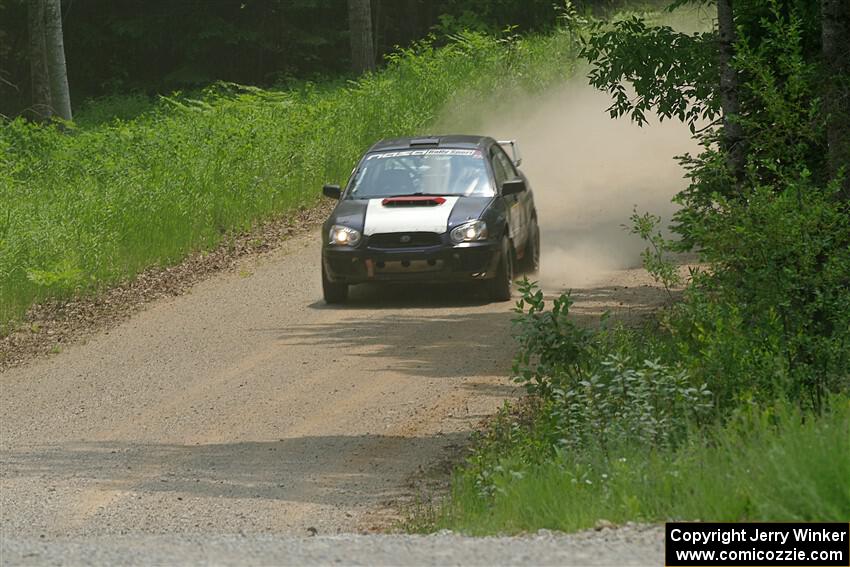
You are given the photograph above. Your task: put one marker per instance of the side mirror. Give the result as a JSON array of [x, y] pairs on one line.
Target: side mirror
[[332, 191], [513, 186]]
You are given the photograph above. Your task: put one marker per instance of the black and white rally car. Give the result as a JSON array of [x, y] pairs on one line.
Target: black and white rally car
[[448, 208]]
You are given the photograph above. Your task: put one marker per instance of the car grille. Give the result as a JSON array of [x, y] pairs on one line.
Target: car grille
[[404, 239]]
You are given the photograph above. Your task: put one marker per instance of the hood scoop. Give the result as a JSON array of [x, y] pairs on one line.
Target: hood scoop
[[413, 201]]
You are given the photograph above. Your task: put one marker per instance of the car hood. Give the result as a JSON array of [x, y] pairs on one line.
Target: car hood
[[378, 216]]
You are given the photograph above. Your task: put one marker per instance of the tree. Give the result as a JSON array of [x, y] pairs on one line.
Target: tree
[[410, 22], [41, 102], [55, 47], [360, 29], [835, 37], [733, 135], [756, 77]]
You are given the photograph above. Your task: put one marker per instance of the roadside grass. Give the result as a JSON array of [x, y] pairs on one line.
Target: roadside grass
[[135, 184], [659, 423], [770, 467]]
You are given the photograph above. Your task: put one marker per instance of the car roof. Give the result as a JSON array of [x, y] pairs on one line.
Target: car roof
[[449, 141]]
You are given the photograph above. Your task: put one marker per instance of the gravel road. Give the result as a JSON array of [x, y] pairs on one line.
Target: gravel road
[[228, 424], [629, 545], [249, 406]]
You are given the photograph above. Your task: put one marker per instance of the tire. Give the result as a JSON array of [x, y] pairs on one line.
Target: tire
[[333, 292], [531, 258], [501, 284]]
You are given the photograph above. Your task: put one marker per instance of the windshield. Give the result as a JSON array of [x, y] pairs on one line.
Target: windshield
[[439, 171]]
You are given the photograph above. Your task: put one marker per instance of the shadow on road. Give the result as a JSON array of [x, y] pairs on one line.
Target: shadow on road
[[434, 345], [335, 470], [378, 326], [629, 305], [411, 296]]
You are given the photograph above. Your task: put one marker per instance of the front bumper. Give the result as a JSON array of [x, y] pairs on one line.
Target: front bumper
[[462, 262]]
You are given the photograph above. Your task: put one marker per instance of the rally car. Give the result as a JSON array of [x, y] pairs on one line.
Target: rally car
[[448, 208]]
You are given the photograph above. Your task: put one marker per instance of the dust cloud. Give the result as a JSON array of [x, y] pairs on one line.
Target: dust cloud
[[588, 172]]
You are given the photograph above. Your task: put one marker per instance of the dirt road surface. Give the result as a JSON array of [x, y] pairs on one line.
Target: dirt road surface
[[628, 545], [248, 406]]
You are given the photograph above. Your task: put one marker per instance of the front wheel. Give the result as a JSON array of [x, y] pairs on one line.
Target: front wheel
[[500, 286], [332, 291]]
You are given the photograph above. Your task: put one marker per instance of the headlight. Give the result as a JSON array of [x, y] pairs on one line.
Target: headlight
[[469, 232], [344, 236]]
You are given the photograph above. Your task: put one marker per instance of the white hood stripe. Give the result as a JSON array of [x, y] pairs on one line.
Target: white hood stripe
[[428, 218]]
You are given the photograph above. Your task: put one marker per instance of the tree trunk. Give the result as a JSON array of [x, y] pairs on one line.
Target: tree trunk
[[733, 135], [60, 95], [360, 29], [835, 30], [41, 103], [410, 21], [377, 14]]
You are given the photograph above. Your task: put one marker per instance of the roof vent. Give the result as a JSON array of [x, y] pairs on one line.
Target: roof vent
[[424, 142]]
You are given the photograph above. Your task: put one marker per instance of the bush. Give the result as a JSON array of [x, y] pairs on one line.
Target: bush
[[628, 403], [706, 416], [596, 396], [762, 466], [772, 317]]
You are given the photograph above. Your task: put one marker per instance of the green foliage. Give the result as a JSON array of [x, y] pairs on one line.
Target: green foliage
[[772, 318], [672, 73], [783, 124], [769, 466], [553, 350], [675, 75], [625, 402], [109, 108], [600, 391], [123, 48], [656, 257], [735, 387], [63, 276], [768, 318], [82, 209], [493, 16], [774, 306], [781, 120]]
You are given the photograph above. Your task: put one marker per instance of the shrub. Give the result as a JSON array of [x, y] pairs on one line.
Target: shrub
[[600, 391], [769, 465], [625, 402], [771, 319]]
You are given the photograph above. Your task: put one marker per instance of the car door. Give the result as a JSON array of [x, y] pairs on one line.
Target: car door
[[503, 170]]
